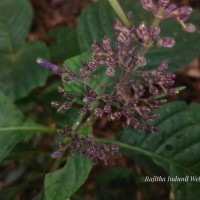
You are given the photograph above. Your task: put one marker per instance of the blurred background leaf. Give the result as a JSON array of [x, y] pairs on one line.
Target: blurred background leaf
[[19, 71], [65, 44], [14, 127]]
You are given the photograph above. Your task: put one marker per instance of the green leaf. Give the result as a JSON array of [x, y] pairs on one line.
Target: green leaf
[[66, 44], [19, 71], [61, 184], [96, 21], [176, 148], [13, 126]]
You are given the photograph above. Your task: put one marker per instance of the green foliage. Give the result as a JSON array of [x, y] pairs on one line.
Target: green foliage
[[65, 44], [62, 183], [13, 126], [19, 71], [97, 20], [176, 147]]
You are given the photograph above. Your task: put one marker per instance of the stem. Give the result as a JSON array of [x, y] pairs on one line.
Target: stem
[[119, 11]]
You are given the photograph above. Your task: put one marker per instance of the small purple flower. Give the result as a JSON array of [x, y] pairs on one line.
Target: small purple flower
[[47, 64]]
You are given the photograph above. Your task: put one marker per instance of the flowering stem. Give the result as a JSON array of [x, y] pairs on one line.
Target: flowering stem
[[143, 51], [120, 13]]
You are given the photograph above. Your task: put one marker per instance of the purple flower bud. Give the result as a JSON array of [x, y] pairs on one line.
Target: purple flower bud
[[62, 92], [96, 47], [46, 63], [142, 32], [106, 44], [98, 112], [110, 71], [107, 108], [134, 123], [92, 64], [154, 90], [101, 156], [148, 4], [163, 66], [170, 76], [140, 61], [151, 128], [67, 105], [111, 61], [57, 154], [154, 32], [166, 42], [183, 13], [163, 3], [191, 28], [83, 111], [118, 26], [117, 115], [68, 73]]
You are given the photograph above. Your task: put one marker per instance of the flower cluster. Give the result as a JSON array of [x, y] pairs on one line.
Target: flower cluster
[[143, 34], [77, 144], [134, 89], [170, 10]]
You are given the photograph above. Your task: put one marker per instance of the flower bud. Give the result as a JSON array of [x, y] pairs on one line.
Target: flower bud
[[190, 28], [47, 64], [163, 3]]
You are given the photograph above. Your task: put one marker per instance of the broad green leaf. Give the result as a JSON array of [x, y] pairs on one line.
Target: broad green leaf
[[176, 147], [14, 127], [61, 184], [65, 43], [19, 71], [97, 20]]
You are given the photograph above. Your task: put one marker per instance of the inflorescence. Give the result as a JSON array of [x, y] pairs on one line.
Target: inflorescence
[[134, 89]]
